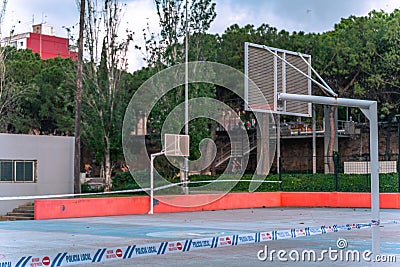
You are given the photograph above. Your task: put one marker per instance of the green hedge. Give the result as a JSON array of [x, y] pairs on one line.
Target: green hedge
[[290, 182]]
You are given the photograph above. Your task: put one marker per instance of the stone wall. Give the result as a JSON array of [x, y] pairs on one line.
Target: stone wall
[[296, 152]]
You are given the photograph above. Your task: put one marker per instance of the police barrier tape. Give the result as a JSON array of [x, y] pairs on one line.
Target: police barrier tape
[[104, 254]]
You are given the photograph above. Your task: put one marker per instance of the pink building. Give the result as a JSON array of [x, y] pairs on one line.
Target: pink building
[[43, 41]]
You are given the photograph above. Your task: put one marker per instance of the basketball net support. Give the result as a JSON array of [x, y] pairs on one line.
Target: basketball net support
[[152, 157], [324, 87], [186, 163], [369, 108]]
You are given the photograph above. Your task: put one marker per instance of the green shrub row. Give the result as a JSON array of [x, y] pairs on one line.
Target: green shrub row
[[290, 182]]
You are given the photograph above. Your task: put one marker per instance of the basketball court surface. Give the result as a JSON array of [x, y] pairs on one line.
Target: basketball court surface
[[245, 237], [23, 238]]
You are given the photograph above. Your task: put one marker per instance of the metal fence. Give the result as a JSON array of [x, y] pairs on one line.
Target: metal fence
[[355, 164]]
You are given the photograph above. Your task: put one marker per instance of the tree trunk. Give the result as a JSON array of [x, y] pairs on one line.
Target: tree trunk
[[263, 145], [107, 168], [208, 155], [78, 101], [388, 141], [331, 146]]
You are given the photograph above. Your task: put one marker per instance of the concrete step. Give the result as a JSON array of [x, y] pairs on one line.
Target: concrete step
[[16, 218], [95, 181], [23, 212], [96, 184], [26, 206], [24, 209], [20, 214]]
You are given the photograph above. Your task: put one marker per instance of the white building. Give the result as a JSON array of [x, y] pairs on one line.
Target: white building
[[34, 165]]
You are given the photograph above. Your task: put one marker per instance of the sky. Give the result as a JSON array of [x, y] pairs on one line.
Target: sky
[[290, 15]]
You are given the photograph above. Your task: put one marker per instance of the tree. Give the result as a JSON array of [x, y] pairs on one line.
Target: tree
[[53, 108], [18, 68], [360, 59], [167, 49], [42, 98], [104, 97], [78, 100], [11, 93]]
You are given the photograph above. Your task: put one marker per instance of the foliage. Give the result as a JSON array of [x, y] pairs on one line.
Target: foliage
[[42, 94], [167, 49], [290, 182], [360, 58], [104, 100], [124, 181], [55, 107]]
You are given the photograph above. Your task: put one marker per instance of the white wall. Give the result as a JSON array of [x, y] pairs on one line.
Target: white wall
[[55, 166]]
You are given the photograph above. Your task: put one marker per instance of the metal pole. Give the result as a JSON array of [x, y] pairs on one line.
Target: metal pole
[[151, 183], [298, 70], [152, 157], [398, 152], [278, 143], [186, 165], [335, 172], [330, 91], [324, 100], [280, 173], [314, 140], [369, 108], [373, 128]]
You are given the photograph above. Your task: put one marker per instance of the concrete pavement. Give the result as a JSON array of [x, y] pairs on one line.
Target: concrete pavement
[[21, 238]]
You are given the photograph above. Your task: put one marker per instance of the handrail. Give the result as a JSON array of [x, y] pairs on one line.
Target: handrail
[[228, 154]]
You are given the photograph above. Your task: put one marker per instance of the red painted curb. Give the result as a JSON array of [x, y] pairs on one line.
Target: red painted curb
[[90, 207]]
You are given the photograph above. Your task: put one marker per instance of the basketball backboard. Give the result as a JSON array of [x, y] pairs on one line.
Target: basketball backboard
[[275, 71], [176, 145]]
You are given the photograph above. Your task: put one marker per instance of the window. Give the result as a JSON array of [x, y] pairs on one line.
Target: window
[[18, 170], [24, 171], [6, 171]]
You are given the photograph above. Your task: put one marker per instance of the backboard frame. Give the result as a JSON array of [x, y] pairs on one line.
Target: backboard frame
[[280, 66], [174, 143]]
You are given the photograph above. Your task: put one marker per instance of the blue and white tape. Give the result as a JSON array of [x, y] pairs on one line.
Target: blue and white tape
[[65, 258]]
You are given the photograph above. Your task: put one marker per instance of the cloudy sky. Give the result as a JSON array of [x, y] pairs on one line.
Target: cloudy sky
[[291, 15]]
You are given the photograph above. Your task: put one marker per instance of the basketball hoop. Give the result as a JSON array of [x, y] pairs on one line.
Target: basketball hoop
[[175, 145]]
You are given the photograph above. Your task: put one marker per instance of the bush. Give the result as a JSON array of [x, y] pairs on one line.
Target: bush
[[312, 183], [290, 182], [123, 181]]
